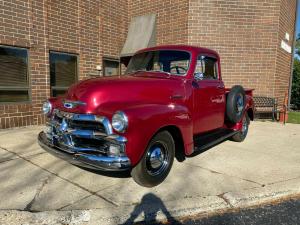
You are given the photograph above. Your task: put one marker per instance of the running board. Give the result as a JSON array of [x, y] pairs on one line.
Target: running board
[[204, 141]]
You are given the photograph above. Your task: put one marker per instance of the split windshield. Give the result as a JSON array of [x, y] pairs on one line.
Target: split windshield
[[166, 61]]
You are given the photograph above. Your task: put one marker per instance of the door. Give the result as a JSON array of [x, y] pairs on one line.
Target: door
[[208, 95]]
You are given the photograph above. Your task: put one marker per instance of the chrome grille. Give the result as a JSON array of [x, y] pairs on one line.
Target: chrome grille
[[82, 124], [80, 132]]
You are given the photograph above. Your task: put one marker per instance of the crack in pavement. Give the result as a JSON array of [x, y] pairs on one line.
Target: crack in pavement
[[79, 200], [216, 172], [85, 197], [38, 191], [69, 181], [28, 156], [7, 160], [226, 200], [36, 154], [280, 181]]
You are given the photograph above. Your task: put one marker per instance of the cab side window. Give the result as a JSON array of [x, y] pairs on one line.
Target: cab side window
[[207, 68]]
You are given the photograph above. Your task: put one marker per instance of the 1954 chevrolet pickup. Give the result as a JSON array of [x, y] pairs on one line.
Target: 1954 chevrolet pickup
[[171, 103]]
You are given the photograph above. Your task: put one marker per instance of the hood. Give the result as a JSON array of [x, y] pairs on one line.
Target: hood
[[107, 94]]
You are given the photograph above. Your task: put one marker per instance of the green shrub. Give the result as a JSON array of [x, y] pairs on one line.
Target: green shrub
[[295, 97], [294, 117]]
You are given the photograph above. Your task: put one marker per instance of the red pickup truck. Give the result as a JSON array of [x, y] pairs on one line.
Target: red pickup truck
[[171, 103]]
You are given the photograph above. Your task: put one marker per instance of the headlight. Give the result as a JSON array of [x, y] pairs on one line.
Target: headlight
[[47, 107], [120, 122]]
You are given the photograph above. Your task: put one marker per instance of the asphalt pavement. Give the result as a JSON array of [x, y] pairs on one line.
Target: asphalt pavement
[[281, 213]]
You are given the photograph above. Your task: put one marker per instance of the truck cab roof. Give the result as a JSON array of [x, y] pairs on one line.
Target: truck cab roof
[[189, 48]]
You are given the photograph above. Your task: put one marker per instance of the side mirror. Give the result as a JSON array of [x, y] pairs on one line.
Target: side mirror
[[198, 76]]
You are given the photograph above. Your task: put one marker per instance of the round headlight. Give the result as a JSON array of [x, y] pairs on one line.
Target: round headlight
[[120, 122], [47, 107]]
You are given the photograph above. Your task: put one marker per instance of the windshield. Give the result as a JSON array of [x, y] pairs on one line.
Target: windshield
[[167, 61]]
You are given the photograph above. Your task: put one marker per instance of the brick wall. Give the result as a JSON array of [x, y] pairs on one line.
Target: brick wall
[[22, 24], [115, 25], [63, 25], [283, 59], [171, 21], [247, 34], [89, 29]]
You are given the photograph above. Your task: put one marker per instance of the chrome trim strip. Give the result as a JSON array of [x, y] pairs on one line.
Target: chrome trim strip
[[87, 117], [105, 163], [106, 123], [113, 163], [95, 135]]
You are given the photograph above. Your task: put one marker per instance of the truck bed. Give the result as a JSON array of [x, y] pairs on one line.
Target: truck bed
[[249, 91]]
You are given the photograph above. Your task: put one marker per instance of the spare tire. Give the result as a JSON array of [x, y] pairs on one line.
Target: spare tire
[[235, 105]]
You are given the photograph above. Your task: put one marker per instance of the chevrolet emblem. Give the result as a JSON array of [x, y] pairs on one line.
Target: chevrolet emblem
[[72, 104]]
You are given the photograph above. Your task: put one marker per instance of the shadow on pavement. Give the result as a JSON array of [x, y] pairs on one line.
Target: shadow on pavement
[[117, 174], [150, 205]]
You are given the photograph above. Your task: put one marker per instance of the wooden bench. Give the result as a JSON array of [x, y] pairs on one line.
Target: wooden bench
[[265, 107]]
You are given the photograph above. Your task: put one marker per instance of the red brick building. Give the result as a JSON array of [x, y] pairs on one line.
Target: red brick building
[[42, 42]]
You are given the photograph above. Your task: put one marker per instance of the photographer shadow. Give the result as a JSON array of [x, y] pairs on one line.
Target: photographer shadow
[[151, 205]]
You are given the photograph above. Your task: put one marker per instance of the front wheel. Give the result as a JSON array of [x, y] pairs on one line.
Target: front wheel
[[241, 135], [157, 161]]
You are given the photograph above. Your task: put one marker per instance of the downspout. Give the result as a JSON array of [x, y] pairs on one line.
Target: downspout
[[293, 55]]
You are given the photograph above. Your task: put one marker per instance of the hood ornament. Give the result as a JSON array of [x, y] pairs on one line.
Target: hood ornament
[[72, 104]]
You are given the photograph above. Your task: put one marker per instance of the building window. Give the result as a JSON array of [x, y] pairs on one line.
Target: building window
[[111, 67], [63, 72], [14, 85]]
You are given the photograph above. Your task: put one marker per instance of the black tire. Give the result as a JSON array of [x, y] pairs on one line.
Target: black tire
[[148, 172], [240, 136], [235, 105]]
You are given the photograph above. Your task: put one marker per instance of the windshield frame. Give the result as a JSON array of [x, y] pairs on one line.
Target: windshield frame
[[156, 71]]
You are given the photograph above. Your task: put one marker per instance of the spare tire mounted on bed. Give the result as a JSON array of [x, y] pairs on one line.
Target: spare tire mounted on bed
[[235, 105]]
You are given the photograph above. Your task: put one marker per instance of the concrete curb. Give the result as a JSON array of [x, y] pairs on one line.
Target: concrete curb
[[201, 205]]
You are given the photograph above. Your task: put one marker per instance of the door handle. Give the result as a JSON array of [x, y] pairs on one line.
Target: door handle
[[195, 84], [220, 87]]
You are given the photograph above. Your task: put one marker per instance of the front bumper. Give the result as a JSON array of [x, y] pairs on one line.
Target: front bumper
[[98, 162]]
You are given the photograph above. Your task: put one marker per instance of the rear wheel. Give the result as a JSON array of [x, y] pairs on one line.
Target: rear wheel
[[157, 161], [241, 135]]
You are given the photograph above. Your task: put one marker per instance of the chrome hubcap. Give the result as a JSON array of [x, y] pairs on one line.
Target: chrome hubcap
[[240, 103], [157, 159]]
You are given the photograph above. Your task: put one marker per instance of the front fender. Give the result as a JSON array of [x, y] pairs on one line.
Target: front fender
[[146, 120]]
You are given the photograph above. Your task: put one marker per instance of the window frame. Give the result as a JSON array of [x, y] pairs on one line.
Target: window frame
[[112, 59], [59, 88], [216, 65], [19, 88]]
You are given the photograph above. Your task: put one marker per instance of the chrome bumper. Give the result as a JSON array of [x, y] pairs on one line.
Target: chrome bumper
[[106, 163]]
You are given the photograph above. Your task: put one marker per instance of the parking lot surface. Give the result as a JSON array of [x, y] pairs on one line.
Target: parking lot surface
[[264, 167]]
